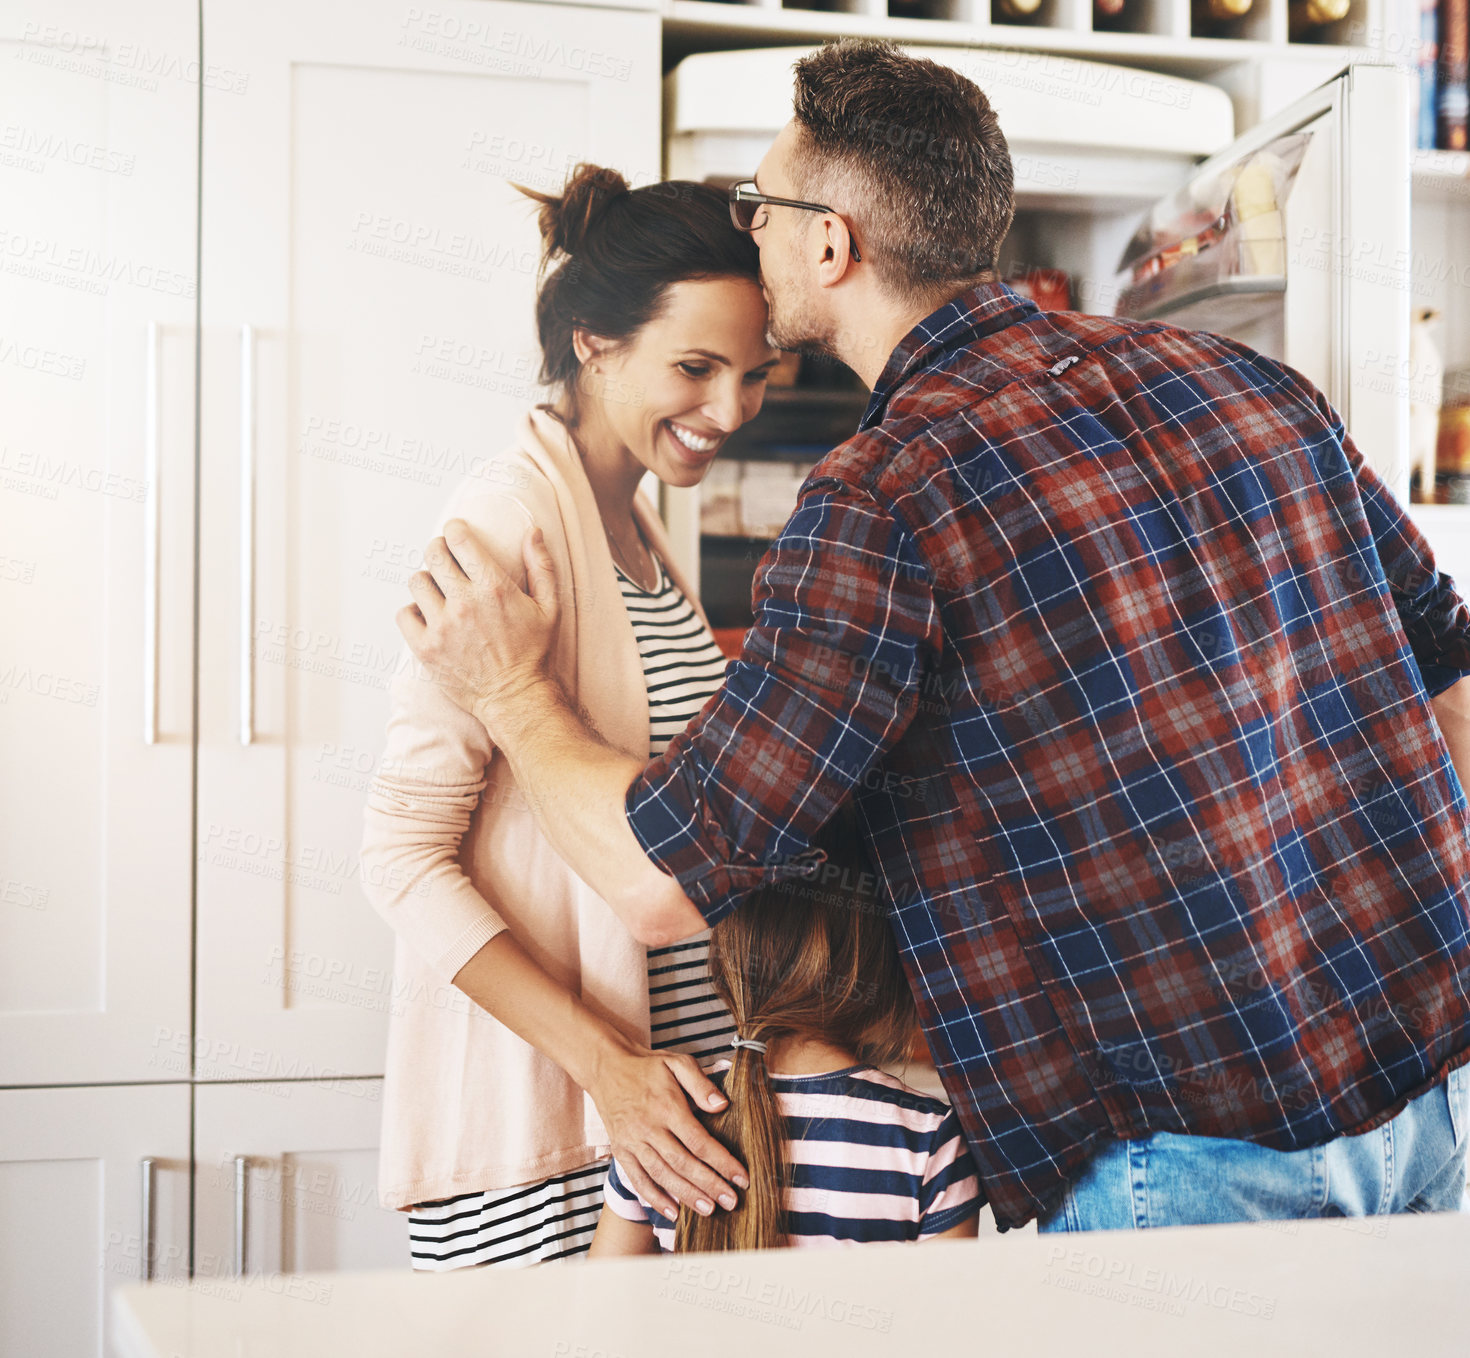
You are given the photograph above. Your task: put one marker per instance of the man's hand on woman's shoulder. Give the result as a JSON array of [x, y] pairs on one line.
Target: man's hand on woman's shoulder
[[485, 639]]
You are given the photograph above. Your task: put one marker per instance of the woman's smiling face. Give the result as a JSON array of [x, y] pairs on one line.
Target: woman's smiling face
[[688, 379]]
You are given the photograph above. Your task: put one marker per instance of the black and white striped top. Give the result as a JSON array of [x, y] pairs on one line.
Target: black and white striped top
[[683, 668], [554, 1218], [682, 664]]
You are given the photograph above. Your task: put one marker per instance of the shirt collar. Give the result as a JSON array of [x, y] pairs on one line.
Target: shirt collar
[[978, 311]]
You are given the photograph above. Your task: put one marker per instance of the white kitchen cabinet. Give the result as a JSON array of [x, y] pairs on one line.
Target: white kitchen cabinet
[[368, 340], [98, 148], [76, 1218], [286, 1181]]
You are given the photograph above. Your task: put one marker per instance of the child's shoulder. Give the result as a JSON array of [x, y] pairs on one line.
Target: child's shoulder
[[888, 1098], [854, 1082], [871, 1082]]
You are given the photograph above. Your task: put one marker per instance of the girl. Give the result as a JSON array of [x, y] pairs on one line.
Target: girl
[[530, 1031], [838, 1151]]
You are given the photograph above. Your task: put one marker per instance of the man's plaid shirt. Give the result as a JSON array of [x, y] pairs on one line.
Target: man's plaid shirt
[[1125, 655]]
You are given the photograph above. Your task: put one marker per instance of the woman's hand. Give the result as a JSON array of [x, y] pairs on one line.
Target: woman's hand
[[662, 1147]]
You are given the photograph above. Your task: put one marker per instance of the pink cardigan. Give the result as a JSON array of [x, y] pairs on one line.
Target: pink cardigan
[[451, 856]]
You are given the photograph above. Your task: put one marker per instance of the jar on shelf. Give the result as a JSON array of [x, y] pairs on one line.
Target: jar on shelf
[[1308, 19], [1452, 455], [1216, 18], [1015, 11]]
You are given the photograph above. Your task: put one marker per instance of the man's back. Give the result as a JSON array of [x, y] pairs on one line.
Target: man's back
[[1115, 641]]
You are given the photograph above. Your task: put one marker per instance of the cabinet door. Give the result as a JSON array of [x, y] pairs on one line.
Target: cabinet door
[[98, 119], [289, 1172], [368, 342], [72, 1200]]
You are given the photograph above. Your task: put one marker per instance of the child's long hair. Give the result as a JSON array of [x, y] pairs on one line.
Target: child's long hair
[[810, 958]]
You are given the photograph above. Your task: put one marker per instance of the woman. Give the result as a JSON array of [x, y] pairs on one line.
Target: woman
[[530, 1031]]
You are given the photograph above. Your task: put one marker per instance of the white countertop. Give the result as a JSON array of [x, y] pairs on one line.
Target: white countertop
[[1378, 1286]]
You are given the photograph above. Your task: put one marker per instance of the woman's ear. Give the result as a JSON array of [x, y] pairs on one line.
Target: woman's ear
[[587, 346]]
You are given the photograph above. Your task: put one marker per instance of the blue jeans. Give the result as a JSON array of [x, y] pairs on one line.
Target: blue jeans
[[1413, 1163]]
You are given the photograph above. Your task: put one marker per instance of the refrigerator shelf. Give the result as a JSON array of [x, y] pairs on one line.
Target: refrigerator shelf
[[1222, 306]]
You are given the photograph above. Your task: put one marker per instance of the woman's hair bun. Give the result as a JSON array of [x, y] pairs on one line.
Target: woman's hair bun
[[566, 220], [609, 254]]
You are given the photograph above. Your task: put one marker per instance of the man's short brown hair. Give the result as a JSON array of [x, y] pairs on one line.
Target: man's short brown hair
[[915, 157]]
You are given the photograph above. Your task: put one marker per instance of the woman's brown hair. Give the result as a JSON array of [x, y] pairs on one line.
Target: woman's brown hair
[[811, 957], [610, 253]]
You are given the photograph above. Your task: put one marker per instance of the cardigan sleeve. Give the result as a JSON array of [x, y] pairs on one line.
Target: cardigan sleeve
[[428, 784]]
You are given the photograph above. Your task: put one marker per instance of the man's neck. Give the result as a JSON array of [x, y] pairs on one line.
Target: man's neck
[[876, 325]]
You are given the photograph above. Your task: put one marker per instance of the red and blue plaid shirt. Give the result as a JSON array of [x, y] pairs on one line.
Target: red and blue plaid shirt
[[1125, 655]]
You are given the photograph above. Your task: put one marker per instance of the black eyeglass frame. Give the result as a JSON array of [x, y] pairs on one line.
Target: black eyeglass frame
[[746, 192]]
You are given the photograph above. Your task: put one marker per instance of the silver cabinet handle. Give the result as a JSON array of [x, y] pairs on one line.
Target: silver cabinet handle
[[151, 441], [242, 1183], [247, 534], [146, 1270]]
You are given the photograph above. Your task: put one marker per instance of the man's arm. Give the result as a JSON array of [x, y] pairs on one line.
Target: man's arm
[[847, 626], [1431, 609], [846, 621], [1433, 614], [1452, 707], [488, 642]]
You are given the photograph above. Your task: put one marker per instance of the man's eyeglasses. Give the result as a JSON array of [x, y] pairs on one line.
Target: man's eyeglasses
[[748, 210]]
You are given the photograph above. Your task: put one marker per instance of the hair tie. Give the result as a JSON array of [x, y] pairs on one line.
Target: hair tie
[[738, 1041]]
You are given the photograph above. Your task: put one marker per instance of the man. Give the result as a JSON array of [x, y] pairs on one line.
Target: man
[[1146, 689]]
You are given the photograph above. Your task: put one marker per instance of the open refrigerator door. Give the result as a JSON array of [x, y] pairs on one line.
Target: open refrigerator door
[[1221, 236], [1294, 240]]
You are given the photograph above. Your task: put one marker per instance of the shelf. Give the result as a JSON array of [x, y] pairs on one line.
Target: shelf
[[1230, 303], [822, 396], [826, 400], [704, 25], [1453, 517], [732, 540], [796, 424]]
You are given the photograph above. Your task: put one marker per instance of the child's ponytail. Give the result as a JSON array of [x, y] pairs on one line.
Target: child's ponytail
[[805, 958], [750, 1128]]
